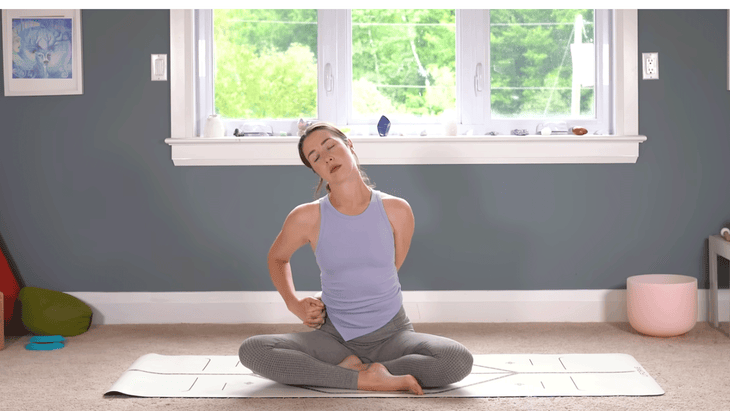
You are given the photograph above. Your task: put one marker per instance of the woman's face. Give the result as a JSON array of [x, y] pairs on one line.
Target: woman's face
[[328, 155]]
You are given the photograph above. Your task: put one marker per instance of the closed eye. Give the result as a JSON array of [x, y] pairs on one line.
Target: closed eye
[[328, 148]]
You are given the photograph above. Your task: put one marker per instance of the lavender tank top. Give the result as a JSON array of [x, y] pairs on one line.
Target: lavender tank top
[[356, 256]]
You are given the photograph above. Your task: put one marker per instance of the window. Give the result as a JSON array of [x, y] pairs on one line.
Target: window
[[540, 65], [519, 68], [257, 65], [416, 86]]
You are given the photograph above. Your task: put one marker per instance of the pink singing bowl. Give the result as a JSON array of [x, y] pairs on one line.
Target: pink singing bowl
[[662, 305]]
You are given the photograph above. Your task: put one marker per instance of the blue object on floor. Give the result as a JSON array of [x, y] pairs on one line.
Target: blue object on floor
[[44, 346], [383, 126], [47, 339]]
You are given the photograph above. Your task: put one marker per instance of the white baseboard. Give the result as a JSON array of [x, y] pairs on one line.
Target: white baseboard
[[422, 306]]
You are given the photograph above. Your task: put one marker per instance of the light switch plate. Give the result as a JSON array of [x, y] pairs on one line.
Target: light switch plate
[[159, 67]]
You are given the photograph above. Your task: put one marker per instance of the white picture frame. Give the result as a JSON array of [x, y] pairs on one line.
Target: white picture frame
[[42, 53]]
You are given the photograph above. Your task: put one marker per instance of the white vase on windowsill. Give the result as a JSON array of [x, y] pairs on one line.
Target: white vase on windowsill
[[214, 127]]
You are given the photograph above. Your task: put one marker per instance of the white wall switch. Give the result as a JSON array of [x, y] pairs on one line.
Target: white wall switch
[[159, 67]]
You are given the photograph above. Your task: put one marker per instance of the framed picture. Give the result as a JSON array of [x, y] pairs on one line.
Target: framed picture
[[42, 52]]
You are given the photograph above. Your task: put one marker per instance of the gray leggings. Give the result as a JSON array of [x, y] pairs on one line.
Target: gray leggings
[[311, 358]]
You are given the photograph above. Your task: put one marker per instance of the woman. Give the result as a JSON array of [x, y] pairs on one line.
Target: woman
[[363, 338]]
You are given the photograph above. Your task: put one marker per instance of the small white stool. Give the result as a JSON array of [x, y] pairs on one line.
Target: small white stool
[[718, 246]]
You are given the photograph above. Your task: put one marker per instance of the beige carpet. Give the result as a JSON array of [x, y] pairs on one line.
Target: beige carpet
[[693, 369]]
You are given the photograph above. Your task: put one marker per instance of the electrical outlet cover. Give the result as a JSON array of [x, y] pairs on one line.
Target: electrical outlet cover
[[650, 66]]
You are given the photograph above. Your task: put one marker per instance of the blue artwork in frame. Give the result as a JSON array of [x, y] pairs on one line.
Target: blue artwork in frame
[[42, 52], [42, 48]]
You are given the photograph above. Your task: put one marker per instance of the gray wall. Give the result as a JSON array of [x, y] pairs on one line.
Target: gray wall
[[90, 200]]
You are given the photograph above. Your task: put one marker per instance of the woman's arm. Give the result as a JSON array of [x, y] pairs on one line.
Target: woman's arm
[[294, 234], [403, 222]]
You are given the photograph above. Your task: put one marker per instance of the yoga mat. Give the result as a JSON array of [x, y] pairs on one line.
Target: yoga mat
[[493, 375]]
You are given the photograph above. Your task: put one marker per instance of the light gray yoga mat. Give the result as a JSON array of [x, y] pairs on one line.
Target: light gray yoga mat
[[493, 375]]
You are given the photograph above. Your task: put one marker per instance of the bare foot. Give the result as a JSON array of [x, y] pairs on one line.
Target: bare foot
[[375, 377], [353, 363]]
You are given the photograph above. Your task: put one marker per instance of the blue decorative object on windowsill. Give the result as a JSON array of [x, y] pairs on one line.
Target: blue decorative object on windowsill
[[383, 126]]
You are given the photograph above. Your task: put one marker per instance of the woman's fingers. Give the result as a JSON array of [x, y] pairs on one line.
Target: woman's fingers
[[316, 321], [314, 312], [317, 317], [314, 301]]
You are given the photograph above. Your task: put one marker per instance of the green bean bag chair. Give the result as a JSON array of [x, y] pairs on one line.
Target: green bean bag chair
[[47, 312]]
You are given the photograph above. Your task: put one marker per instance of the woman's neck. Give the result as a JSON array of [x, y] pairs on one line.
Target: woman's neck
[[353, 196]]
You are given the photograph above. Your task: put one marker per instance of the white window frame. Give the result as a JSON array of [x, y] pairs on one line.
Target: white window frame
[[188, 149]]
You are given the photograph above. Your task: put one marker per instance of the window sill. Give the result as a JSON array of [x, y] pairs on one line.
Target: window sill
[[262, 151]]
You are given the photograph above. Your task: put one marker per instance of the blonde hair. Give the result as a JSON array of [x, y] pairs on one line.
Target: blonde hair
[[334, 132]]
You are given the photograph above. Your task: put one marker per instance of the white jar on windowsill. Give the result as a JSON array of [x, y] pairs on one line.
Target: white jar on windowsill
[[214, 127], [449, 122]]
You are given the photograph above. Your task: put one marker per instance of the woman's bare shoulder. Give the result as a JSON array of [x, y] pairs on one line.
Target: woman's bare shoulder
[[307, 212], [391, 198], [391, 202]]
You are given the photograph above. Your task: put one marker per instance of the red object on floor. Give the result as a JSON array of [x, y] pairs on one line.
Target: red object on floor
[[9, 287], [2, 324]]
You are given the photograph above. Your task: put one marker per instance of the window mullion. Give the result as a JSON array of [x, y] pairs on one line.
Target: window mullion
[[204, 69], [472, 65], [487, 98], [326, 65], [603, 84], [331, 65], [344, 66]]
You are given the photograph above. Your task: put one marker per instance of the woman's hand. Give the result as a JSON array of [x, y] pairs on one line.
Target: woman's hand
[[310, 310]]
